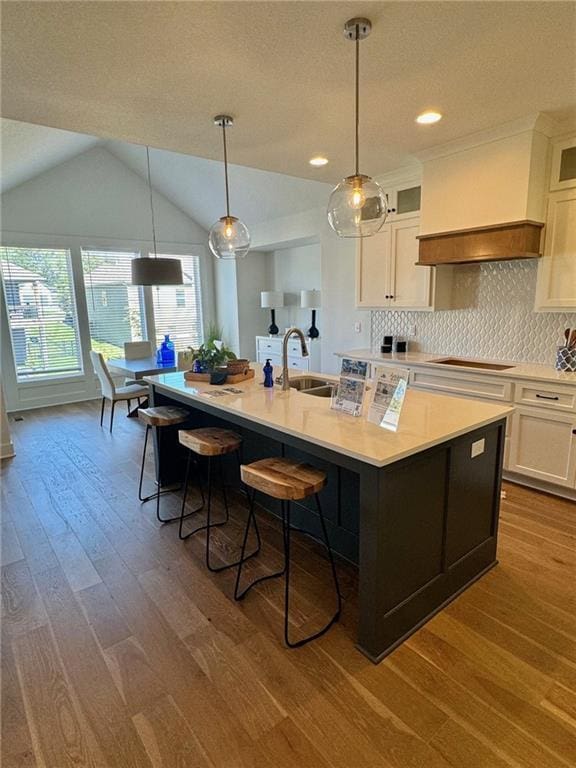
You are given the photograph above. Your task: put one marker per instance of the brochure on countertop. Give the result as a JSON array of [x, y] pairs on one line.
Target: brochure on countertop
[[348, 396], [388, 392]]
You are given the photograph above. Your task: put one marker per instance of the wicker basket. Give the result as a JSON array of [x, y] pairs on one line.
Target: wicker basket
[[235, 367]]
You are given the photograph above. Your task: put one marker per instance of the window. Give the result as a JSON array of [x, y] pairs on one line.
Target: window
[[178, 309], [41, 308], [115, 306]]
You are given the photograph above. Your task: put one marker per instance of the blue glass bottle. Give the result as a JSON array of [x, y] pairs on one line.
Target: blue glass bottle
[[166, 355], [268, 374]]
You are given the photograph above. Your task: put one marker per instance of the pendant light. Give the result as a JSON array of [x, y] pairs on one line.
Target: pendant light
[[229, 238], [159, 270], [357, 206]]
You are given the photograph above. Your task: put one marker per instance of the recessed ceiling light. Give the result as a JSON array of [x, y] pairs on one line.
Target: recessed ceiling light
[[318, 161], [427, 118]]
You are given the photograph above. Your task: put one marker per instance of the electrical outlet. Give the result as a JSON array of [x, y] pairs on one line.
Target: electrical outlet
[[478, 448], [412, 331], [358, 327]]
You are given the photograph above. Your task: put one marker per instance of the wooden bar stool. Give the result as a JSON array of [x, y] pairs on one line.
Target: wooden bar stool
[[159, 417], [211, 443], [288, 481]]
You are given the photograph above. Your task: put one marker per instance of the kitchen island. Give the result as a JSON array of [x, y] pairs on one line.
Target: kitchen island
[[416, 510]]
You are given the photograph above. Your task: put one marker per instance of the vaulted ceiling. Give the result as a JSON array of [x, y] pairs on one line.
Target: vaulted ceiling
[[195, 185], [156, 73]]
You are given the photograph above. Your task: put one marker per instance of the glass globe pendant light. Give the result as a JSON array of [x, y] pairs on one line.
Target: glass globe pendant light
[[357, 206], [229, 238]]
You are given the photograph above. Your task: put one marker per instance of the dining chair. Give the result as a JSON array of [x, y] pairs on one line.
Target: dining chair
[[110, 391], [136, 350]]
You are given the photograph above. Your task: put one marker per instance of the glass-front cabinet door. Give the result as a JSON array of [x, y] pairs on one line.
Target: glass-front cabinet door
[[404, 202], [563, 173]]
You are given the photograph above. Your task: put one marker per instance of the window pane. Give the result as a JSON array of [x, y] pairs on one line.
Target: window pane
[[41, 308], [178, 308], [115, 307]]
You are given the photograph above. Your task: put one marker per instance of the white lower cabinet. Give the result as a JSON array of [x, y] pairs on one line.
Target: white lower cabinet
[[543, 446]]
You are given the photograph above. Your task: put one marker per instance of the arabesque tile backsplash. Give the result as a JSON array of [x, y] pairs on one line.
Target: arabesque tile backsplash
[[496, 320]]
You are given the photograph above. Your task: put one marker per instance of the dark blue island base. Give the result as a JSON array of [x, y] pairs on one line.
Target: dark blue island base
[[420, 530]]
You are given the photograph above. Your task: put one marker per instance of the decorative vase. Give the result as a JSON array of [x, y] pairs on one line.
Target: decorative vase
[[166, 355]]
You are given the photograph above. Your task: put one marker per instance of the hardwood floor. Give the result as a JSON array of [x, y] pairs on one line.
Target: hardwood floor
[[119, 649]]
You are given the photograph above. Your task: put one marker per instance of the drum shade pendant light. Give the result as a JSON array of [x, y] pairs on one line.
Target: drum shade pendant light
[[157, 270], [357, 206], [229, 238]]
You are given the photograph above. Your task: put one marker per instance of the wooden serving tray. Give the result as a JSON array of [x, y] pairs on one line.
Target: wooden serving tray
[[235, 378]]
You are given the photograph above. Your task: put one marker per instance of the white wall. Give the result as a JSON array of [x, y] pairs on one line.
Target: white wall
[[338, 315], [294, 269], [91, 200], [254, 276]]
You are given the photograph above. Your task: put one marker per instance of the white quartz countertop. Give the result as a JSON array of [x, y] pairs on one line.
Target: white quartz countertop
[[532, 371], [426, 419]]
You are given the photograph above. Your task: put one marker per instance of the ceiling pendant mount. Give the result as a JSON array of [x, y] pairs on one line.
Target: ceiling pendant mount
[[229, 237], [357, 206]]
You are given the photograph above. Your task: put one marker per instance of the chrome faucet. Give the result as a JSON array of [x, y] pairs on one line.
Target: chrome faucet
[[284, 380]]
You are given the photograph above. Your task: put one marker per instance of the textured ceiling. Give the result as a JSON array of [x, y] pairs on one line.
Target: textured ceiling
[[194, 184], [28, 150], [156, 73]]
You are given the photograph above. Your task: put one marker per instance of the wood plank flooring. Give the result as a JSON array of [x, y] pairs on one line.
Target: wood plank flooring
[[119, 649]]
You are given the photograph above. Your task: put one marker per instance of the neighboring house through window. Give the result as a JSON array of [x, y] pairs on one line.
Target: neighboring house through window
[[41, 310]]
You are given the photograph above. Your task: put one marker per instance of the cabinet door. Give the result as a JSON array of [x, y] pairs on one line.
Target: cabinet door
[[373, 270], [406, 202], [411, 284], [556, 288], [563, 173], [543, 445]]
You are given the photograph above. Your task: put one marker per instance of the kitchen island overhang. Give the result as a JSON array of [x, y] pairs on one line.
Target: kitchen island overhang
[[416, 510]]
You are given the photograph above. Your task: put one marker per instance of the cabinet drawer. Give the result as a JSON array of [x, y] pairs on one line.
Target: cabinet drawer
[[547, 396], [262, 356], [303, 363], [270, 346], [488, 387]]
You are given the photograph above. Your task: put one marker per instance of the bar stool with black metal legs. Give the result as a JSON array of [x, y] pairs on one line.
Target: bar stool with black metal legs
[[159, 418], [212, 443], [288, 481]]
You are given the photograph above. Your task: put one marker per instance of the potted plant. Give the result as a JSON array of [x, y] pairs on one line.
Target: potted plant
[[212, 353]]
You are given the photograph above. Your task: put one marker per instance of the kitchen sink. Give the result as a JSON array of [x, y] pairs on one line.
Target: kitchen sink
[[473, 364], [325, 391], [302, 383], [309, 385]]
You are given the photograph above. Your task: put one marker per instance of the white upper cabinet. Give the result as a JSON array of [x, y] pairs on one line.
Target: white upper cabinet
[[403, 201], [387, 276], [556, 285], [563, 172]]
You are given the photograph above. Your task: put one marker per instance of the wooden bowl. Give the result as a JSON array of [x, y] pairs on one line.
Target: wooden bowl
[[237, 366]]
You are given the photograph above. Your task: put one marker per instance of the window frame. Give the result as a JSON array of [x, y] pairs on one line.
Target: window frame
[[34, 380]]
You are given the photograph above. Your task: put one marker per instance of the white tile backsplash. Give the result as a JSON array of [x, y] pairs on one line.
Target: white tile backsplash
[[496, 319]]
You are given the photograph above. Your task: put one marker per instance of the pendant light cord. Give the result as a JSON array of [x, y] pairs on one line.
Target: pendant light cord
[[151, 202], [357, 96], [226, 167]]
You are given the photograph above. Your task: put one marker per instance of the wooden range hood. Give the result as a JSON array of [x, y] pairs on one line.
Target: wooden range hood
[[498, 242]]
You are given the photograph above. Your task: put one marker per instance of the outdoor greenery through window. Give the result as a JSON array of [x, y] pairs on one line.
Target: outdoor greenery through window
[[41, 310], [115, 307], [178, 309]]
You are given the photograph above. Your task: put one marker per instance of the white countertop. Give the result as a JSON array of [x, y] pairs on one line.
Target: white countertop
[[532, 371], [426, 420]]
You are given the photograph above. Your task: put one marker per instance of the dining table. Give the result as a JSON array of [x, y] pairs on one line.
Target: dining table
[[137, 369]]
